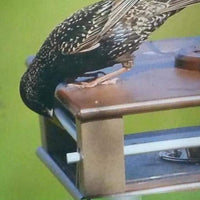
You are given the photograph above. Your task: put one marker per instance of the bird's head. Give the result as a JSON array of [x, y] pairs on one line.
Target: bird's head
[[40, 108], [33, 98]]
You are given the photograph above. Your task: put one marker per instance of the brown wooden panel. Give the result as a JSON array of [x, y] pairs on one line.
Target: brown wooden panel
[[102, 169], [150, 90]]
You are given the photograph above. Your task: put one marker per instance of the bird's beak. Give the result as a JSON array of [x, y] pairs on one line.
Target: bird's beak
[[50, 112]]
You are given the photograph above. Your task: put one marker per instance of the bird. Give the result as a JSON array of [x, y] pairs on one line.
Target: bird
[[95, 37]]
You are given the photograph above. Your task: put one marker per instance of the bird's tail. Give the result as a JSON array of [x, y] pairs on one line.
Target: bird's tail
[[173, 5]]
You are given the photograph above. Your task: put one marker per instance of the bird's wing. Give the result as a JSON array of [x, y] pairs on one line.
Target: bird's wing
[[119, 9], [92, 23], [173, 5]]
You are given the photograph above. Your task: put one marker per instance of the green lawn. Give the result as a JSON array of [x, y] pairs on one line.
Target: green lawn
[[24, 26]]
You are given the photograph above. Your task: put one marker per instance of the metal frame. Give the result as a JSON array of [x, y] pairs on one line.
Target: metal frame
[[131, 150]]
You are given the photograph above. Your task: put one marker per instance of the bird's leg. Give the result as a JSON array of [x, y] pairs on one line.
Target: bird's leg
[[127, 64], [105, 79], [108, 78], [101, 80]]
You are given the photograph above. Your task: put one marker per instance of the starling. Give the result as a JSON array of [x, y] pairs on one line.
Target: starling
[[95, 37]]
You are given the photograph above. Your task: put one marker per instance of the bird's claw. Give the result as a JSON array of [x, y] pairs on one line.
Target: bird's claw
[[81, 85], [92, 84]]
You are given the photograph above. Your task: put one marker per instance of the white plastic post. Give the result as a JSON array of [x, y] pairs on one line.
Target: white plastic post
[[73, 157]]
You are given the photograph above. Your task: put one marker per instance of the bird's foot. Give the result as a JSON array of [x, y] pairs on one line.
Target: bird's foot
[[92, 84], [82, 85], [107, 79]]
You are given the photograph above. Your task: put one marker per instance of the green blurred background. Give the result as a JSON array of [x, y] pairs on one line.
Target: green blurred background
[[23, 27]]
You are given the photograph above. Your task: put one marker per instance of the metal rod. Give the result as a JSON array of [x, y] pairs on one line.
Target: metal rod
[[66, 122], [166, 189], [148, 147], [59, 174], [125, 198]]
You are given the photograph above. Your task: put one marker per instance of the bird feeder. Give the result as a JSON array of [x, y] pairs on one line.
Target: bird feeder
[[86, 148]]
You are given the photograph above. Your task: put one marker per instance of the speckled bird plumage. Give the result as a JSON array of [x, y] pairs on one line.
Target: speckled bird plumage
[[95, 37]]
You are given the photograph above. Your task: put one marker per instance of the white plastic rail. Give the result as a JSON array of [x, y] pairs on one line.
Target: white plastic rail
[[147, 147]]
